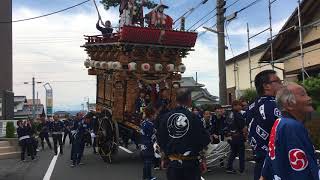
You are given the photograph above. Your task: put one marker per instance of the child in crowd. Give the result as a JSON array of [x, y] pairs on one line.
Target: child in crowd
[[147, 140]]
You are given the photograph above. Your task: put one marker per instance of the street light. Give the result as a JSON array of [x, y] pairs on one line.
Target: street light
[[212, 30], [215, 31]]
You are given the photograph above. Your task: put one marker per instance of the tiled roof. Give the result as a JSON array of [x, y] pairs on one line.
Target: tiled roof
[[190, 82]]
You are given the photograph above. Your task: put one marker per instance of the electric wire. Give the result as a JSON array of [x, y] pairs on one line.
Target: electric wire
[[190, 11], [228, 39], [248, 6], [232, 4], [205, 22], [45, 15], [202, 18], [242, 9]]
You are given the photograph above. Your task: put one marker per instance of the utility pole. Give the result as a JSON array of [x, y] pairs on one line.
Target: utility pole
[[249, 56], [33, 99], [33, 96], [221, 52]]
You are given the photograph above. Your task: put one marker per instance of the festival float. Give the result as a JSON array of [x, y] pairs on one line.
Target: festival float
[[136, 58]]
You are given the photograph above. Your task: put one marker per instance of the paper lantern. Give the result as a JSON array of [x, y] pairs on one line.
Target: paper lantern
[[97, 64], [92, 63], [87, 63], [170, 67], [116, 65], [158, 67], [132, 66], [104, 65], [109, 64], [145, 67], [176, 85], [182, 68]]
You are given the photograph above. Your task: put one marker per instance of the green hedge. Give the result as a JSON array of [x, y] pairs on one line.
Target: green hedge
[[312, 86], [249, 95], [10, 130]]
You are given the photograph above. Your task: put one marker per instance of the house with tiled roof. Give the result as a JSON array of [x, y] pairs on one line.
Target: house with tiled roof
[[200, 95]]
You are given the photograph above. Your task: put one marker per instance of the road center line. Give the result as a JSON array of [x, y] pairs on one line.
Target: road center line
[[48, 174], [125, 149]]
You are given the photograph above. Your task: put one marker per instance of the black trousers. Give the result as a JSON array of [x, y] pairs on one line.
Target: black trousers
[[94, 144], [258, 167], [147, 165], [57, 138], [66, 133], [77, 149], [188, 170], [45, 136], [237, 149], [26, 146]]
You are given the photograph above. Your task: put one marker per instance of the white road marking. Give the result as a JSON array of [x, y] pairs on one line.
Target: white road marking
[[249, 161], [202, 178], [48, 174], [125, 149]]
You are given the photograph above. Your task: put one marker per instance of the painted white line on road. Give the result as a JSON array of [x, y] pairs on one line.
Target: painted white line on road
[[248, 161], [202, 178], [48, 174], [125, 149]]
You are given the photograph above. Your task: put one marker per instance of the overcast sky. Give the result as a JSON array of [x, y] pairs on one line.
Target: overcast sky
[[49, 48]]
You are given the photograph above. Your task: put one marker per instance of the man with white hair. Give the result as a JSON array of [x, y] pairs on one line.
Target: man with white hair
[[291, 154]]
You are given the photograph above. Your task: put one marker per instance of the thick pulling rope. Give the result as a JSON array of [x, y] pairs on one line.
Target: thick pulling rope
[[99, 16]]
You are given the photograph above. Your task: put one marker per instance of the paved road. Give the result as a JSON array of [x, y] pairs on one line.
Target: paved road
[[127, 166]]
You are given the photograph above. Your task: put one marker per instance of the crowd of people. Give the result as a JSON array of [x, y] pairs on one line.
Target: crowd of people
[[176, 138], [273, 125], [79, 129]]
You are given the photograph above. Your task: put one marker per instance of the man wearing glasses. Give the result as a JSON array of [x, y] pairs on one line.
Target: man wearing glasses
[[261, 115]]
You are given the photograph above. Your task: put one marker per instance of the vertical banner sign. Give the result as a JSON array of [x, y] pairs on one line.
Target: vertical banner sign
[[49, 103]]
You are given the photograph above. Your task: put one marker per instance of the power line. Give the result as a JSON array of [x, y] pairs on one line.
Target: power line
[[57, 81], [232, 4], [202, 33], [248, 6], [202, 18], [190, 11], [228, 38], [213, 17], [205, 22], [49, 14]]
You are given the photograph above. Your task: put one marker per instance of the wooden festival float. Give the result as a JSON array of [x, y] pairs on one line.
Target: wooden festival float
[[131, 60]]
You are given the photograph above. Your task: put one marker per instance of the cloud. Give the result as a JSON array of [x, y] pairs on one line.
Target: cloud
[[49, 49], [204, 61]]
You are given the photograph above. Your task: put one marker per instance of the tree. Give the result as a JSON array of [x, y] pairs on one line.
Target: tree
[[249, 95], [312, 86], [114, 3], [10, 129]]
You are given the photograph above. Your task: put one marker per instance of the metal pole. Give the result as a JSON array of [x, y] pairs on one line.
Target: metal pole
[[271, 36], [88, 104], [249, 56], [196, 77], [221, 52], [33, 99], [301, 42]]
